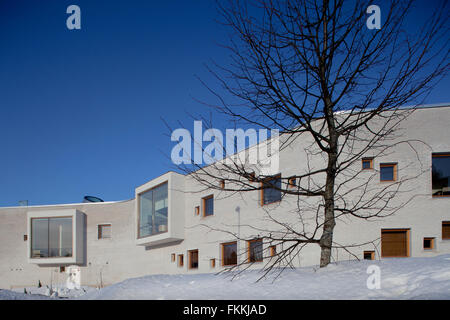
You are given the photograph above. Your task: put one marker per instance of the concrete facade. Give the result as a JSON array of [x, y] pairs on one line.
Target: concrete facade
[[124, 255]]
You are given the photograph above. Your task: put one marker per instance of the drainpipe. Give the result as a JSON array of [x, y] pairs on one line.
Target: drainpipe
[[238, 210]]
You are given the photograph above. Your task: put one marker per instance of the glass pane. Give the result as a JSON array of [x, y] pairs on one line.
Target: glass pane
[[366, 164], [153, 211], [39, 238], [60, 237], [256, 251], [209, 206], [270, 194], [387, 173], [441, 175], [230, 254], [105, 231], [194, 259]]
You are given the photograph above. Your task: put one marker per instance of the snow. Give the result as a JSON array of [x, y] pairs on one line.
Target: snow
[[401, 278]]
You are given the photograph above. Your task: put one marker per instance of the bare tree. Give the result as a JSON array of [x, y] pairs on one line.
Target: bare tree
[[313, 70]]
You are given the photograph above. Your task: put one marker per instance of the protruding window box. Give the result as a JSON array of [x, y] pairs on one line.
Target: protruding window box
[[56, 237], [160, 210]]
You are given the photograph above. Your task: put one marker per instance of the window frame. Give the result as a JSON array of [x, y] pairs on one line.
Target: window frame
[[394, 165], [263, 187], [100, 231], [249, 253], [139, 211], [48, 236], [370, 159], [447, 233], [222, 245], [204, 199], [190, 253], [432, 243], [437, 155], [371, 252]]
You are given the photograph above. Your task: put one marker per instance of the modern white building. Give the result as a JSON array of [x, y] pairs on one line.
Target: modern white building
[[173, 225]]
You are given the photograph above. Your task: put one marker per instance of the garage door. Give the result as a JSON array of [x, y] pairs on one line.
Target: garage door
[[395, 243]]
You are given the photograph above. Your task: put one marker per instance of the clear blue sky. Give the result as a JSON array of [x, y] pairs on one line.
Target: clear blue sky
[[80, 111]]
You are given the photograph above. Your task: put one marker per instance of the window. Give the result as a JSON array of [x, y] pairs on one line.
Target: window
[[273, 251], [388, 172], [153, 211], [172, 257], [255, 250], [440, 174], [428, 243], [395, 243], [104, 231], [197, 210], [208, 205], [229, 254], [51, 237], [212, 263], [367, 163], [25, 237], [445, 229], [180, 260], [369, 255], [193, 259], [270, 191], [62, 269], [292, 182], [222, 184]]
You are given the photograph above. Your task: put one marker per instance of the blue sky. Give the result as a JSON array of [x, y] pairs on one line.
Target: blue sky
[[80, 111]]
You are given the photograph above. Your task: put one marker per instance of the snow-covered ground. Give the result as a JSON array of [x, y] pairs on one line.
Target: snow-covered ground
[[410, 278]]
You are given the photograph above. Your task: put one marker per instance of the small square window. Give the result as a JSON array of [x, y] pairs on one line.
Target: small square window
[[388, 172], [212, 263], [367, 163], [292, 182], [104, 231], [428, 243], [172, 257], [208, 205], [62, 269], [222, 184], [197, 210], [369, 255], [25, 237]]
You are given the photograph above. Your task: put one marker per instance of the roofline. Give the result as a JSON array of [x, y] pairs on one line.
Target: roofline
[[66, 204]]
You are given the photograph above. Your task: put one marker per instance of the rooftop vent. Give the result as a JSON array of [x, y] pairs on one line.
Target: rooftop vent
[[90, 199]]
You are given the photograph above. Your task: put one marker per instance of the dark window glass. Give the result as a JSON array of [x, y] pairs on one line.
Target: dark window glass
[[256, 251], [270, 193], [387, 172], [208, 206], [368, 255], [428, 243], [441, 175], [193, 259], [229, 254]]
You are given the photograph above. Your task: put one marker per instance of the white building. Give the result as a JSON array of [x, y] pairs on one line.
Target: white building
[[170, 227]]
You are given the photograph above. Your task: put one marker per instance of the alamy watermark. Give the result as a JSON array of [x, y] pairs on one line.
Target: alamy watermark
[[247, 147]]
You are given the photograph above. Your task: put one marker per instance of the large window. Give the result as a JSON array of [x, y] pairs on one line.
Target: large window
[[51, 237], [440, 174], [255, 250], [229, 254], [153, 210], [271, 192]]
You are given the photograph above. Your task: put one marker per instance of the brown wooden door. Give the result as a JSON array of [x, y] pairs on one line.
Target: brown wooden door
[[394, 243]]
